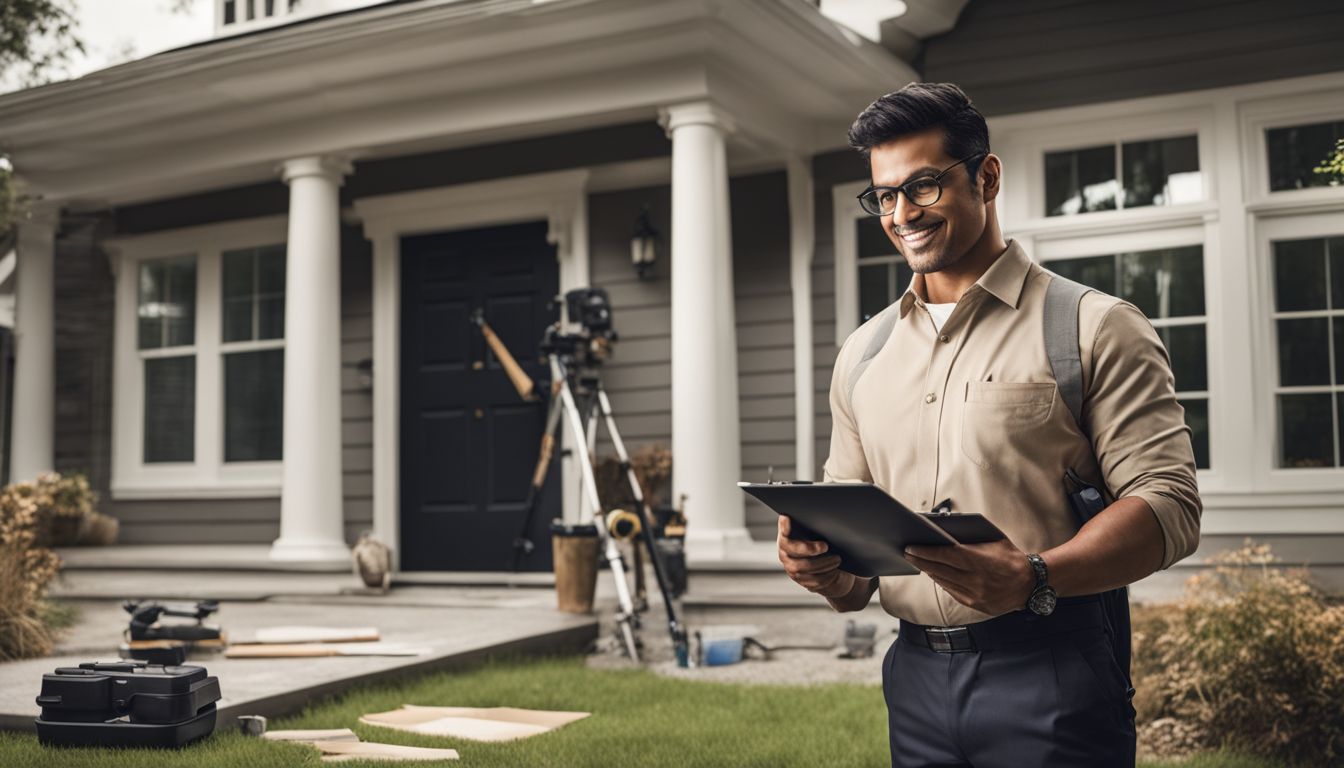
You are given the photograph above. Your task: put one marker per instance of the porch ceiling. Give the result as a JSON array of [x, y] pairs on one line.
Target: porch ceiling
[[402, 78]]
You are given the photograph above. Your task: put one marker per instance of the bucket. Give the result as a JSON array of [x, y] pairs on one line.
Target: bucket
[[574, 549]]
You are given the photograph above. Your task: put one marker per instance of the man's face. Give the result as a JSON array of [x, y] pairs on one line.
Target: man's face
[[935, 237]]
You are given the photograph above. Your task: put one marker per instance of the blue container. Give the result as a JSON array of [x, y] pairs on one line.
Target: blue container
[[724, 650]]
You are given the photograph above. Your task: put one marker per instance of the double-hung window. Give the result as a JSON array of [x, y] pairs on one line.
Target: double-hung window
[[199, 362]]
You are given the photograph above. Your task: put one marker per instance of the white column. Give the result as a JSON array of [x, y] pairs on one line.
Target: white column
[[311, 515], [34, 409], [801, 237], [706, 446]]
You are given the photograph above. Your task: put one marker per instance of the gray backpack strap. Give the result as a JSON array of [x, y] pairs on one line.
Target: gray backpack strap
[[875, 345], [1062, 297]]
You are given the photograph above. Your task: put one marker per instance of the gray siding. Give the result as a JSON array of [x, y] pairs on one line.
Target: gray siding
[[639, 376], [828, 170], [1025, 55]]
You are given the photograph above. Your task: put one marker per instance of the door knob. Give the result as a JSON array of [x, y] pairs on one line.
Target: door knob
[[480, 414], [477, 365]]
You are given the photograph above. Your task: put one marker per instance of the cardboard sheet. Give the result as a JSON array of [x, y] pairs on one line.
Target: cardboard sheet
[[345, 751], [288, 635], [477, 723], [313, 650], [335, 734]]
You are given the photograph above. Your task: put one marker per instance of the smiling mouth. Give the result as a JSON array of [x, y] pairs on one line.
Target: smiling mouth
[[919, 237]]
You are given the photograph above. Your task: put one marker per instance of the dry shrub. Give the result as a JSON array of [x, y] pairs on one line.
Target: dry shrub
[[1251, 660], [25, 571], [653, 468], [66, 514]]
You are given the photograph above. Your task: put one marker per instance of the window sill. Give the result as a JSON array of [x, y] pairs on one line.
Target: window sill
[[168, 492]]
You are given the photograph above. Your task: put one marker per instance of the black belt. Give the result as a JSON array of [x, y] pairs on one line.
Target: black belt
[[1070, 615]]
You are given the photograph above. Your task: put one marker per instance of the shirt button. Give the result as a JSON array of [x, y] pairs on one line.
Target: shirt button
[[944, 338], [929, 398]]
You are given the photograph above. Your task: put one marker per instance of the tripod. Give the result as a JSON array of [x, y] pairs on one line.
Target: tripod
[[598, 404], [569, 375]]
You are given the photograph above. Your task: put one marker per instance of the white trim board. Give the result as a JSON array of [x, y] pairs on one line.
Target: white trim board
[[559, 198], [207, 475]]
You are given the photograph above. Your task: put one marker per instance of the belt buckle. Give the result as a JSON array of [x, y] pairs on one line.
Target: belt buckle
[[949, 639]]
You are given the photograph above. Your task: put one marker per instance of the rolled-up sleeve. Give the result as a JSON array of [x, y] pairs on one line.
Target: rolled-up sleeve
[[1138, 427], [846, 462]]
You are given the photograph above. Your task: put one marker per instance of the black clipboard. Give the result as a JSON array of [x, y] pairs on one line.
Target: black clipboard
[[865, 526]]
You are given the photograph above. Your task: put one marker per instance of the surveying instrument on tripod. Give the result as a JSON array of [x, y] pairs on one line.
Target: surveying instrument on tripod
[[578, 399]]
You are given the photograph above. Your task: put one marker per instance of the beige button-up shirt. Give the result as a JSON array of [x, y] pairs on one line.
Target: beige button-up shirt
[[971, 413]]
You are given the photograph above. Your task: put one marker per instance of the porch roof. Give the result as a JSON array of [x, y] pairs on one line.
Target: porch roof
[[418, 75]]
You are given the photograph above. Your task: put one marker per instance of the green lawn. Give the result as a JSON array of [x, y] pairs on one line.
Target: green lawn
[[639, 719]]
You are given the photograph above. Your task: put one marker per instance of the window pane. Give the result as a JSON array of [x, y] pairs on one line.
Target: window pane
[[1306, 427], [181, 306], [170, 409], [1299, 275], [1296, 150], [1186, 345], [872, 238], [254, 389], [1303, 352], [238, 319], [1093, 271], [904, 275], [1339, 349], [1335, 246], [872, 290], [1197, 417], [149, 312], [229, 12], [1162, 172], [1080, 180], [271, 292], [1168, 282]]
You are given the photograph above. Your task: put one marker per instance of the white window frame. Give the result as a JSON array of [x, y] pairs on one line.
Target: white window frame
[[207, 475], [845, 212], [1305, 226]]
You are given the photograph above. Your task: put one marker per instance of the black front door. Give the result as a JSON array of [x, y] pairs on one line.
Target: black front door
[[468, 442]]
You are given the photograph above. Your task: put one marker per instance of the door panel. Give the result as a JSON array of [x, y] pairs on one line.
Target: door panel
[[469, 443]]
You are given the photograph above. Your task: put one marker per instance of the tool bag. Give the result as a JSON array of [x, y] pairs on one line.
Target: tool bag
[[126, 704], [1060, 329]]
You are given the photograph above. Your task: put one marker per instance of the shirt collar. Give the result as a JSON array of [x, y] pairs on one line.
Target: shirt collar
[[1003, 280]]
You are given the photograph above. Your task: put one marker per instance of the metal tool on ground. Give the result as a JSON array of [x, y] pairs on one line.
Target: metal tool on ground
[[126, 704], [578, 398], [860, 640]]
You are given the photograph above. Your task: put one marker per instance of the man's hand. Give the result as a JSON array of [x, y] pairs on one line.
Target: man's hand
[[992, 578], [807, 563]]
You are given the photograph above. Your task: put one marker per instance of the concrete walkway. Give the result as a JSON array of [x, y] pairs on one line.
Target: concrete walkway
[[457, 625]]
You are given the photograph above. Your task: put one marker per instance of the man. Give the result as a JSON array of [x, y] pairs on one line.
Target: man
[[960, 402]]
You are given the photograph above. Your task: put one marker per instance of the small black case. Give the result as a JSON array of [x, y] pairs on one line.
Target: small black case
[[126, 703]]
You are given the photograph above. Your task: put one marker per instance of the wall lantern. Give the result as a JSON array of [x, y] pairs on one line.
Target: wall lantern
[[644, 244]]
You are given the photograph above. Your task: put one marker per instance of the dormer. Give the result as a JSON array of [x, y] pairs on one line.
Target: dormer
[[234, 16]]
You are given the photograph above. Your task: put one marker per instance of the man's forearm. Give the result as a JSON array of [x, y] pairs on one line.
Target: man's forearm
[[1118, 547], [857, 597]]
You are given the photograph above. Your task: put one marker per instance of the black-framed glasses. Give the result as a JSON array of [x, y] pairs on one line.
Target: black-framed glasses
[[923, 191]]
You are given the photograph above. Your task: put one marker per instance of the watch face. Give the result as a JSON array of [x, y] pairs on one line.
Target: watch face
[[1042, 601]]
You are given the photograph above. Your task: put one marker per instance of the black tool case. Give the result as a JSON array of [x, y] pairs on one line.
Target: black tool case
[[126, 704]]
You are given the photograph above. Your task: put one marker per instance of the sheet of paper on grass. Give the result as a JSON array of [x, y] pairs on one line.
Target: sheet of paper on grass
[[334, 734], [345, 751], [311, 650], [313, 635], [478, 723]]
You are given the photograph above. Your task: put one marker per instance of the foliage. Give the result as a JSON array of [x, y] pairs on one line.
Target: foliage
[[1332, 167], [1252, 659], [25, 571], [64, 508], [37, 37]]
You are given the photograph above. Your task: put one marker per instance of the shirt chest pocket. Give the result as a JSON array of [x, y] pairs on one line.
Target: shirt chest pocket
[[1001, 420]]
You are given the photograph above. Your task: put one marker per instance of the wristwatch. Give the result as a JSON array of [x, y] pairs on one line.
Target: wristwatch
[[1042, 600]]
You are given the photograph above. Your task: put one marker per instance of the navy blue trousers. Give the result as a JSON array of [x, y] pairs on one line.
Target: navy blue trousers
[[1056, 701]]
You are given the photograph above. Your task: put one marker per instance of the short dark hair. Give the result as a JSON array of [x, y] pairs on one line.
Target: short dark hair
[[916, 107]]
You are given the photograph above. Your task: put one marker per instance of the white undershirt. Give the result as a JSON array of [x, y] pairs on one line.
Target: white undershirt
[[940, 313]]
